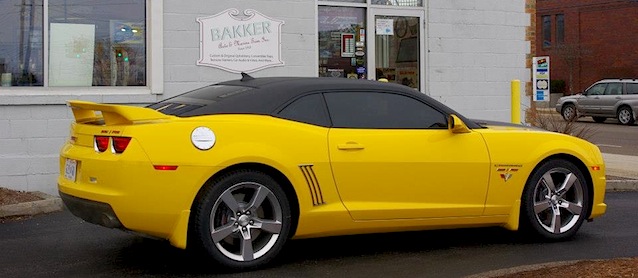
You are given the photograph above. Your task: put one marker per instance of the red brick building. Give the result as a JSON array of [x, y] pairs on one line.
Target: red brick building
[[588, 40]]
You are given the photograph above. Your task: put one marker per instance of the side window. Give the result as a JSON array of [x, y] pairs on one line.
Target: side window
[[613, 89], [597, 89], [632, 88], [382, 110], [309, 109]]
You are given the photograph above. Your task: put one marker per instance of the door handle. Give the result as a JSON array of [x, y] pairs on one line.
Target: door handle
[[618, 98], [350, 146]]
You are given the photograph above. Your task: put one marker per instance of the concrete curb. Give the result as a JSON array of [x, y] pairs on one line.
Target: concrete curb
[[48, 204], [622, 185]]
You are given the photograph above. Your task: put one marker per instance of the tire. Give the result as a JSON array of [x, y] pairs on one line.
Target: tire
[[555, 201], [242, 220], [599, 119], [568, 112], [626, 116]]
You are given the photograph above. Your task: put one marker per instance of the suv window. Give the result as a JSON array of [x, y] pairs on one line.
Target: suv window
[[309, 109], [382, 110], [632, 88], [597, 89], [613, 89]]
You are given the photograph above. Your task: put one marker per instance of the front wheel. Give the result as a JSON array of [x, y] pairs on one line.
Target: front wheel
[[555, 200], [626, 116], [242, 220], [569, 112]]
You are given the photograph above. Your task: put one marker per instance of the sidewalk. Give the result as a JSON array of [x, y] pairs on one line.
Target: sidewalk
[[622, 171]]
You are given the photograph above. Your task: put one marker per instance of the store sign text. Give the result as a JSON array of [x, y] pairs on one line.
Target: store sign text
[[240, 43]]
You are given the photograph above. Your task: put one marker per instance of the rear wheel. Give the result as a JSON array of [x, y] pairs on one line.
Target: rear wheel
[[626, 116], [569, 112], [242, 220], [599, 119], [555, 200]]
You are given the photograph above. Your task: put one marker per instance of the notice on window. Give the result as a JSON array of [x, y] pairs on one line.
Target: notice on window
[[71, 54], [385, 26]]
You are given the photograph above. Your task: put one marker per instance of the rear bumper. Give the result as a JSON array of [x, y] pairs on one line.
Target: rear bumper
[[92, 211]]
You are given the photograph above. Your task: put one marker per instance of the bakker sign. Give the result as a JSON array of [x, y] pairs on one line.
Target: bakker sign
[[240, 43]]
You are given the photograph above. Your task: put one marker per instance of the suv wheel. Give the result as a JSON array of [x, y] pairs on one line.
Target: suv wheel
[[626, 116], [569, 112]]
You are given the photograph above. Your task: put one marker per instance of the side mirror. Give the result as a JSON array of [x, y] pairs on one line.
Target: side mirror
[[456, 125]]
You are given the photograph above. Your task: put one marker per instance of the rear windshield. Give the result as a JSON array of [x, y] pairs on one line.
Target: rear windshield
[[198, 98]]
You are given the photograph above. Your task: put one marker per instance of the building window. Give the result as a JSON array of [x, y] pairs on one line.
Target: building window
[[547, 30], [560, 28], [341, 29], [90, 43], [21, 44]]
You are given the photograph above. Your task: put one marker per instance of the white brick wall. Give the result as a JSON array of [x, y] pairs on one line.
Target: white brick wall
[[181, 41], [30, 139], [475, 49]]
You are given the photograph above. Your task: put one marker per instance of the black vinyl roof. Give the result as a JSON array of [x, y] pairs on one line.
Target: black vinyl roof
[[268, 95]]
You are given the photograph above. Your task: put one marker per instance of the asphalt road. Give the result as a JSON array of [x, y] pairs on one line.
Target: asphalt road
[[60, 245], [612, 137]]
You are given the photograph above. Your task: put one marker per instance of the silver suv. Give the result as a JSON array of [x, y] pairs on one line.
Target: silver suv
[[608, 98]]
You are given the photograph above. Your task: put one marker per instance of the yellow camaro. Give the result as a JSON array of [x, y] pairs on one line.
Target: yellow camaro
[[237, 168]]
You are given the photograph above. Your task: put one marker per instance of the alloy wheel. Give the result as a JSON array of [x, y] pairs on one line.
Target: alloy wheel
[[246, 221], [558, 200]]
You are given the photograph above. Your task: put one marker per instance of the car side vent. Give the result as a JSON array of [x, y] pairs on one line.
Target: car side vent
[[313, 184]]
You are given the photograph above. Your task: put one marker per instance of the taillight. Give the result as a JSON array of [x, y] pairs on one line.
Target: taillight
[[120, 144], [101, 143]]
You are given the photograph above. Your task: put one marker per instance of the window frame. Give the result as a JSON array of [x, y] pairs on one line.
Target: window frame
[[27, 95], [546, 31], [560, 28]]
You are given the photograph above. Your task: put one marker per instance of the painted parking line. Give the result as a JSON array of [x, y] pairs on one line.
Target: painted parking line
[[611, 146]]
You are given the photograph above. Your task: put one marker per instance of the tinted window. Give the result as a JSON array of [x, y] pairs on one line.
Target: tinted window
[[381, 110], [614, 89], [632, 88], [597, 89], [309, 109]]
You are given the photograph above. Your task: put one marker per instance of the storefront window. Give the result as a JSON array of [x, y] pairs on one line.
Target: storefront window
[[342, 42], [90, 43], [21, 44], [97, 43]]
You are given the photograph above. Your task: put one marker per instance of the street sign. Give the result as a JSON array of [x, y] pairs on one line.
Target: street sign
[[540, 78]]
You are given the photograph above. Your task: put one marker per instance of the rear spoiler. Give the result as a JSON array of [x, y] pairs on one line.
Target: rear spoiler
[[85, 111]]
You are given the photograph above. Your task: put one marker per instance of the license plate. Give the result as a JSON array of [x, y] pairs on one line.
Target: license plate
[[70, 169]]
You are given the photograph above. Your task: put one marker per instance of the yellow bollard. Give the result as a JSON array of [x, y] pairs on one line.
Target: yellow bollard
[[516, 101]]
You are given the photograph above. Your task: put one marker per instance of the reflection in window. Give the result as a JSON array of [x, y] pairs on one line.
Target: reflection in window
[[382, 110], [97, 43], [547, 30], [560, 28], [404, 3], [21, 51], [342, 42]]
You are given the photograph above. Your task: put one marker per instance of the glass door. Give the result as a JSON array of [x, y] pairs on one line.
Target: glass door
[[395, 47]]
